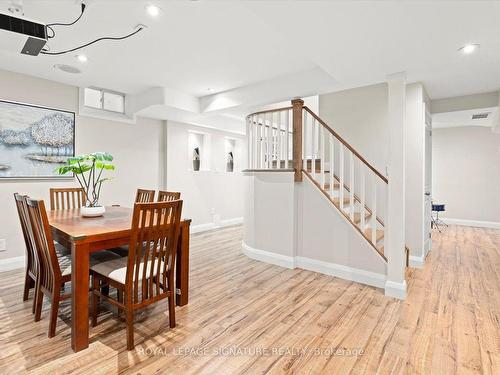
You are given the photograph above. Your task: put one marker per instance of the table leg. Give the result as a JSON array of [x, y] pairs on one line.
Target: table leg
[[182, 267], [79, 296]]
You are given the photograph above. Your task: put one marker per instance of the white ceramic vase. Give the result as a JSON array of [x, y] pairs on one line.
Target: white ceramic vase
[[93, 211]]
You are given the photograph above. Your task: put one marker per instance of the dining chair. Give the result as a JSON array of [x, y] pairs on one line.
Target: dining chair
[[144, 196], [54, 268], [146, 276], [66, 198], [31, 259], [165, 196]]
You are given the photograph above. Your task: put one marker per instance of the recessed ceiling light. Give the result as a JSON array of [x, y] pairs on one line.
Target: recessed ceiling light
[[469, 48], [81, 58], [67, 68], [153, 10], [210, 89]]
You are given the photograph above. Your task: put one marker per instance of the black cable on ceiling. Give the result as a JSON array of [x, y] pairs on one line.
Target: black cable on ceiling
[[70, 23], [92, 42]]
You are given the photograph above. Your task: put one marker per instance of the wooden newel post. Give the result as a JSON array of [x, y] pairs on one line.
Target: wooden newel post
[[297, 105]]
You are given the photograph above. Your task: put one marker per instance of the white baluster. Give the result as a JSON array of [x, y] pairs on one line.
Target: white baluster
[[313, 148], [322, 154], [332, 164], [257, 135], [304, 139], [279, 138], [351, 184], [261, 141], [287, 134], [269, 130], [374, 209], [248, 141], [341, 175], [362, 195]]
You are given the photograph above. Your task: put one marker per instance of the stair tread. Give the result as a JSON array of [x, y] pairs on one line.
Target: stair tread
[[337, 201], [357, 216], [336, 186], [368, 234]]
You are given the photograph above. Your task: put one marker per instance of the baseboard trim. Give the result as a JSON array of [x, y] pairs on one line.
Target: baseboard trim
[[10, 264], [341, 271], [472, 223], [210, 226], [416, 262], [268, 256], [326, 268], [396, 290]]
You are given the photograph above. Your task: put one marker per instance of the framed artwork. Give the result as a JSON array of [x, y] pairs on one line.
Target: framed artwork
[[34, 140]]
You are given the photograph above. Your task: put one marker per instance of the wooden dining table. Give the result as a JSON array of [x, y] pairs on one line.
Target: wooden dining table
[[88, 235]]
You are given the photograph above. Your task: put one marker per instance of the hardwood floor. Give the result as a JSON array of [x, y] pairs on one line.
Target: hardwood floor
[[284, 321]]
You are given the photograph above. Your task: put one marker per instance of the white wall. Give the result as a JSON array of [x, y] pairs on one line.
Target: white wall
[[212, 196], [327, 236], [136, 148], [466, 173], [415, 170], [360, 116]]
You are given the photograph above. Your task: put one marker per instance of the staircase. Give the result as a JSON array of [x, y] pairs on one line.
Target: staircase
[[295, 138]]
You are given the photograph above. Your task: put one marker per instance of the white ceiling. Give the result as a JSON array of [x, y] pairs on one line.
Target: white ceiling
[[257, 52]]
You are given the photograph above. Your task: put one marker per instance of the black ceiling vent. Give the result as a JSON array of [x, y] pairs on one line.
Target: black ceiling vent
[[478, 116]]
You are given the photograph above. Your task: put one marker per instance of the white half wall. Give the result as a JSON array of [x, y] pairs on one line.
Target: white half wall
[[269, 216], [466, 175], [293, 225]]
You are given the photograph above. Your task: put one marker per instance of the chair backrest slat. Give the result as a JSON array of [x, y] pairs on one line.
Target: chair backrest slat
[[153, 243], [31, 257], [50, 271], [66, 198], [165, 196], [144, 196]]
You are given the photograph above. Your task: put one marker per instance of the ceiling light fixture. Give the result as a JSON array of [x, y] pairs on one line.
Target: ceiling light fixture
[[81, 58], [153, 10], [67, 68], [469, 48]]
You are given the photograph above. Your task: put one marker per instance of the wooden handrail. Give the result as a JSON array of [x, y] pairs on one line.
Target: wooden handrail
[[343, 141], [270, 110]]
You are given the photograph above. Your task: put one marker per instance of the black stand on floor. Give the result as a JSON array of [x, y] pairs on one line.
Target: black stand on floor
[[436, 221]]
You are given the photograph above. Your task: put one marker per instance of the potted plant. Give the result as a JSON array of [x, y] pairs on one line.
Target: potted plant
[[88, 170], [196, 159], [230, 162]]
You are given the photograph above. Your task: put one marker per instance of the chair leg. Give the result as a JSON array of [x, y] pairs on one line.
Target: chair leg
[[130, 329], [171, 309], [54, 311], [119, 298], [35, 298], [38, 303], [27, 286], [105, 290], [95, 300]]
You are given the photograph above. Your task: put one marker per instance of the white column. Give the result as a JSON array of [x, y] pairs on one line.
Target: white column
[[394, 243]]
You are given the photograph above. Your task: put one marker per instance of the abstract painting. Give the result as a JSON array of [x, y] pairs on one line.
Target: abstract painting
[[34, 140]]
